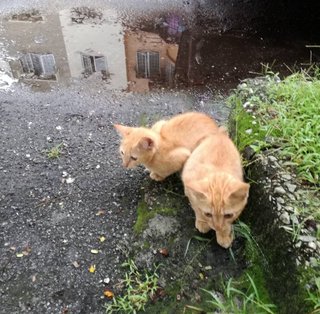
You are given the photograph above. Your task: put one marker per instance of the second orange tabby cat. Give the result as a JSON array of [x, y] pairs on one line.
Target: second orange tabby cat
[[213, 182], [164, 148]]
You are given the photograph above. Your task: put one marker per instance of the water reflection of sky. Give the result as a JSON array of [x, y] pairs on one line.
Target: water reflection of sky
[[97, 44]]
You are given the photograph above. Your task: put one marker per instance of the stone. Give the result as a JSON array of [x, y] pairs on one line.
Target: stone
[[307, 238], [312, 245], [280, 200], [272, 158], [289, 209], [161, 227], [298, 244], [285, 218], [291, 187], [291, 196], [294, 219], [279, 190], [286, 177]]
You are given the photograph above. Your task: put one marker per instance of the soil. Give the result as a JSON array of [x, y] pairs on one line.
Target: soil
[[54, 210]]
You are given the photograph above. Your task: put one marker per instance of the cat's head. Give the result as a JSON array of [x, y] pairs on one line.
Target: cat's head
[[136, 147], [220, 199]]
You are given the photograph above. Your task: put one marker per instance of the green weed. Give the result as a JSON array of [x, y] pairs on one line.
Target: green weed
[[139, 288], [55, 151], [236, 299], [282, 114]]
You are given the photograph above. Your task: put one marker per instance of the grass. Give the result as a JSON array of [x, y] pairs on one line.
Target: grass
[[139, 288], [282, 114], [236, 299], [314, 296], [248, 293], [54, 152]]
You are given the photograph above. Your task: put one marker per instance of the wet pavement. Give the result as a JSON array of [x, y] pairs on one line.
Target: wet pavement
[[66, 74]]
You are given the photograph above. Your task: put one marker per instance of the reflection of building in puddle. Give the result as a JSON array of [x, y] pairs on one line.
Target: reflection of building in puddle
[[36, 48], [150, 60], [84, 42], [94, 45]]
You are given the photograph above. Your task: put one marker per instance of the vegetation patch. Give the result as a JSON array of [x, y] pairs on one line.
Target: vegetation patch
[[282, 114], [274, 117], [139, 289], [144, 214]]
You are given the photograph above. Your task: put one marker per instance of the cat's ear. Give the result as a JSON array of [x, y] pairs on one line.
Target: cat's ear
[[239, 192], [146, 143], [198, 189], [122, 130]]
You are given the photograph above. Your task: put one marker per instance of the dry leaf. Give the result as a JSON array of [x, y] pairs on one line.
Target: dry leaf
[[94, 251], [102, 239], [92, 268], [108, 293], [100, 212], [164, 252]]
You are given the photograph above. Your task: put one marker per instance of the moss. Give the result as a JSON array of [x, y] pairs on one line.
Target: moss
[[144, 214]]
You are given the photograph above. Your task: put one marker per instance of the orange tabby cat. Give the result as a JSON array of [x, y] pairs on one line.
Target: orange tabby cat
[[213, 182], [164, 148]]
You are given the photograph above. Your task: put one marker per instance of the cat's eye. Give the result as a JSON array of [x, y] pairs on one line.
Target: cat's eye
[[227, 216], [208, 215], [133, 158]]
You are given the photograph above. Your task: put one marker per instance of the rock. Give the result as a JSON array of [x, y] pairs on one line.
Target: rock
[[280, 200], [272, 158], [285, 218], [279, 190], [291, 187], [287, 177], [312, 245], [291, 196], [161, 226], [294, 219], [307, 238]]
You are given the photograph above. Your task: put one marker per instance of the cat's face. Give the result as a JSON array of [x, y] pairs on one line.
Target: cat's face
[[135, 147], [220, 199]]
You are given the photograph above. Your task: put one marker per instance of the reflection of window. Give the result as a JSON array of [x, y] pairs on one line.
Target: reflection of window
[[43, 65], [33, 16], [93, 64], [148, 64]]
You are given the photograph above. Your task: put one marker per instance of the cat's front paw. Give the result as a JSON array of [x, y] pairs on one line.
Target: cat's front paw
[[202, 226], [156, 177], [224, 240]]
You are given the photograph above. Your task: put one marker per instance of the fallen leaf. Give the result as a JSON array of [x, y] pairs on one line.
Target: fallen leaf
[[19, 255], [94, 251], [201, 275], [102, 239], [164, 252], [108, 293], [100, 212], [92, 268]]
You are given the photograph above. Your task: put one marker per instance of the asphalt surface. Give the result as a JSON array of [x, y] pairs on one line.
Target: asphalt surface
[[54, 211]]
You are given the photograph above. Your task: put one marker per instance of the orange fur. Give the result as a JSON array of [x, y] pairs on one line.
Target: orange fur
[[164, 148], [213, 182]]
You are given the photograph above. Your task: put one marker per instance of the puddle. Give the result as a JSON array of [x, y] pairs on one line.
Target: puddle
[[131, 51]]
